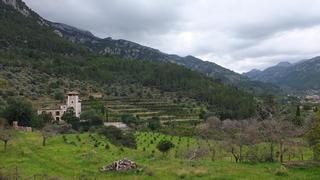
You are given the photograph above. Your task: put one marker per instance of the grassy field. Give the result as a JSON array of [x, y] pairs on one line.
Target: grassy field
[[79, 158]]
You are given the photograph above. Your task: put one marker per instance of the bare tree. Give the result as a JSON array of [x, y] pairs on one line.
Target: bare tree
[[48, 131], [268, 130], [214, 123], [238, 134], [5, 136], [285, 132], [277, 132]]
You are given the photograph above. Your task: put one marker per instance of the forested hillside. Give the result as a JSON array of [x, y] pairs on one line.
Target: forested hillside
[[30, 50], [29, 31]]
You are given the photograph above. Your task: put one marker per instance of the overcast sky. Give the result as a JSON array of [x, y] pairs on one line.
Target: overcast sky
[[237, 34]]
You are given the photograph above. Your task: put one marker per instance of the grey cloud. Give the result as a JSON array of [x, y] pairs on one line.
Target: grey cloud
[[265, 29]]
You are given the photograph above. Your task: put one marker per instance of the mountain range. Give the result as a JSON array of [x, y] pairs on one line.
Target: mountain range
[[134, 51], [301, 76]]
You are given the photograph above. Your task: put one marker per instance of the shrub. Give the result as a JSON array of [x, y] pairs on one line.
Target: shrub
[[93, 119], [64, 138], [19, 110], [107, 146], [78, 138], [3, 122], [117, 137], [164, 146], [154, 124], [41, 120], [282, 171], [70, 118], [131, 120]]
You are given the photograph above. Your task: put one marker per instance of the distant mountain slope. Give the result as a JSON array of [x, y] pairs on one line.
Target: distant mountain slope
[[304, 75], [130, 50]]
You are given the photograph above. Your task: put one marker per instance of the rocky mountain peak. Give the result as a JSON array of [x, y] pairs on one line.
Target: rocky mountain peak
[[18, 5]]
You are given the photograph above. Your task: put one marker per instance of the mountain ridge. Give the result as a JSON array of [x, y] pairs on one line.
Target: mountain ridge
[[303, 75], [134, 51]]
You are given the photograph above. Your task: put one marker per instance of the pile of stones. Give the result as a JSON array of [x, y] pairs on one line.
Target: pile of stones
[[120, 165]]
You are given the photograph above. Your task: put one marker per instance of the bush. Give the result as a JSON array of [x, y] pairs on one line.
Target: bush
[[107, 146], [282, 171], [70, 118], [3, 122], [131, 120], [19, 110], [59, 95], [154, 124], [164, 146], [117, 137], [92, 119], [41, 120]]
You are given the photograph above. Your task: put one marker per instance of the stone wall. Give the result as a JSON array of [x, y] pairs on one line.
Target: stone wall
[[21, 128]]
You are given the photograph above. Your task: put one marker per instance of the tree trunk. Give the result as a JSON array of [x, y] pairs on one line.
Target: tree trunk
[[5, 145], [271, 152], [281, 152], [234, 155], [213, 155], [44, 141], [240, 154]]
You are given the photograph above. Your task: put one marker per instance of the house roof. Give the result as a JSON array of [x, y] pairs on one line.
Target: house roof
[[73, 93]]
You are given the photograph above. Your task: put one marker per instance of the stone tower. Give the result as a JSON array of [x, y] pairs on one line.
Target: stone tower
[[74, 102]]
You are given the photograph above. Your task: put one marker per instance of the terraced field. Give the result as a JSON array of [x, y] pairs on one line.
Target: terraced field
[[145, 108]]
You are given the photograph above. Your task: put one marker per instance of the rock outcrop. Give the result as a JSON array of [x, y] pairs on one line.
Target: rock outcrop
[[18, 5]]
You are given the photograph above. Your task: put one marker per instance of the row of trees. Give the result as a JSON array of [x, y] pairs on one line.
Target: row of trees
[[242, 138]]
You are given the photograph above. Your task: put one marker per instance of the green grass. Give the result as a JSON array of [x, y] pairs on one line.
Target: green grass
[[83, 160]]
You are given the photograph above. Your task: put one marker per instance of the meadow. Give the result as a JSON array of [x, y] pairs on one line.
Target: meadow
[[79, 156]]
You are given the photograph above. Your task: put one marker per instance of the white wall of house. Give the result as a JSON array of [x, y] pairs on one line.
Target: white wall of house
[[74, 102]]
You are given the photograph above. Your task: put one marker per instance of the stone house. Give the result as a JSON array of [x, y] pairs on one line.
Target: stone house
[[73, 101]]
